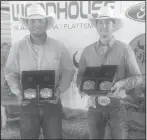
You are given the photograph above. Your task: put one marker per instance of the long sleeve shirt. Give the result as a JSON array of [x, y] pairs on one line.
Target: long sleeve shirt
[[24, 56], [121, 55]]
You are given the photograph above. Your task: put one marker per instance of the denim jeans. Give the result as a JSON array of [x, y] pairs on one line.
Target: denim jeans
[[34, 116], [116, 120]]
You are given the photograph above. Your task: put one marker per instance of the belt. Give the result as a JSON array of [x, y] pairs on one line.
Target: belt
[[24, 103]]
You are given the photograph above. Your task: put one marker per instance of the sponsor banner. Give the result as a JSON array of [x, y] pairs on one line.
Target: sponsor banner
[[76, 32], [71, 25]]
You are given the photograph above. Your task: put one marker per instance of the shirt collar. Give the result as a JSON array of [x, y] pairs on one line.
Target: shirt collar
[[110, 44], [29, 39]]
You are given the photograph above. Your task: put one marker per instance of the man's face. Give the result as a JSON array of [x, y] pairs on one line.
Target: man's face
[[37, 27], [105, 28]]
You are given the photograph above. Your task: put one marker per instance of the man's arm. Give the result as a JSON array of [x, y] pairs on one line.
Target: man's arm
[[81, 69], [134, 75], [67, 71], [11, 71]]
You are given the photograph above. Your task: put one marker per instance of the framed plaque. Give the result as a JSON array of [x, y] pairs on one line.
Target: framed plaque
[[98, 80], [38, 85]]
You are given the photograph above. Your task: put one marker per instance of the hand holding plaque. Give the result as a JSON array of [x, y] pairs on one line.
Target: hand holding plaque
[[57, 97], [98, 80], [38, 85], [105, 100], [82, 94], [116, 88]]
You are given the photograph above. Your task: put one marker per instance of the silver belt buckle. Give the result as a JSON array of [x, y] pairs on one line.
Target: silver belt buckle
[[89, 85], [46, 93], [103, 100], [30, 93]]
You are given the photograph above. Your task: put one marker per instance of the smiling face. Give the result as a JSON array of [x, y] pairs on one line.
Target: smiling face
[[105, 28], [37, 27]]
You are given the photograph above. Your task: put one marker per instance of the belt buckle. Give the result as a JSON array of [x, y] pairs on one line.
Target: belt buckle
[[46, 93], [104, 100]]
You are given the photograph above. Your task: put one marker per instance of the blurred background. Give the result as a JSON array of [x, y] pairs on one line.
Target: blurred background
[[75, 31]]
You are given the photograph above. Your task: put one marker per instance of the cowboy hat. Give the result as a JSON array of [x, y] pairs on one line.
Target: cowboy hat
[[36, 11], [107, 13]]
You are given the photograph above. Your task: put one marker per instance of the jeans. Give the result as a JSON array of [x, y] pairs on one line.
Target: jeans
[[34, 116], [116, 120]]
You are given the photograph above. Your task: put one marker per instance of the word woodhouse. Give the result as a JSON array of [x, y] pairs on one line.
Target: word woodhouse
[[65, 8]]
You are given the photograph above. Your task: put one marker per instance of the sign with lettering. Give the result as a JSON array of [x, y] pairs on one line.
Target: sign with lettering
[[71, 16], [63, 9], [137, 12]]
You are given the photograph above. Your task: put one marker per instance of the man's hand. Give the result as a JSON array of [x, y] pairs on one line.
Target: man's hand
[[19, 99], [116, 88], [80, 92], [57, 97], [16, 91], [23, 103]]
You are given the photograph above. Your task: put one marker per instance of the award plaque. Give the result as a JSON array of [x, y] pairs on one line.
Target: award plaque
[[38, 85], [98, 80]]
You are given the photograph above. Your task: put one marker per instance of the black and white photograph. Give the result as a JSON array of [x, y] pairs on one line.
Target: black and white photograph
[[73, 70]]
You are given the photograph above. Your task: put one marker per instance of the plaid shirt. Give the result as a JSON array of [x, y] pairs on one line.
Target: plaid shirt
[[121, 55]]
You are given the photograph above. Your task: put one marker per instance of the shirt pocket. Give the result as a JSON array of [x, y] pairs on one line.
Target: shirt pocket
[[92, 61], [53, 60], [111, 60], [55, 64]]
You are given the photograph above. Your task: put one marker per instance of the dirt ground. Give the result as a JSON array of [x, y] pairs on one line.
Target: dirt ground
[[71, 130], [75, 127]]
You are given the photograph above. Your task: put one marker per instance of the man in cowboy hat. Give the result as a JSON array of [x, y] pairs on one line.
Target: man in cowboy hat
[[128, 74], [37, 51]]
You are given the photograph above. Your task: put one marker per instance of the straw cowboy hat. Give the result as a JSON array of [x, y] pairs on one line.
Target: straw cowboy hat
[[107, 13], [36, 11]]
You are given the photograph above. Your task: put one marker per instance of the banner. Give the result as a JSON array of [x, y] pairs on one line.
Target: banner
[[73, 28], [72, 25]]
